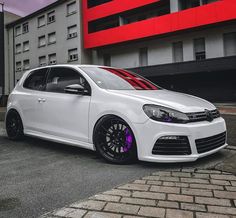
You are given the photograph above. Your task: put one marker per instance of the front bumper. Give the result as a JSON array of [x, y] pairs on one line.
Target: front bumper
[[148, 133]]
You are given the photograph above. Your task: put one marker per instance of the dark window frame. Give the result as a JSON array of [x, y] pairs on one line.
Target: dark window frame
[[89, 89]]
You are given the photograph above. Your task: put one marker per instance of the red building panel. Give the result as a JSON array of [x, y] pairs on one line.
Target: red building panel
[[220, 11]]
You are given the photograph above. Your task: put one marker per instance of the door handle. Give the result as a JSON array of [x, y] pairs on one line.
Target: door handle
[[41, 100]]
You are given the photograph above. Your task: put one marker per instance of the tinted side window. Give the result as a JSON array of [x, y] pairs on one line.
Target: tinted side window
[[60, 77], [36, 80]]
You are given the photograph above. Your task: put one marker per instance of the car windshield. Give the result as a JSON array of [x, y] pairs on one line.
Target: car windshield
[[118, 79]]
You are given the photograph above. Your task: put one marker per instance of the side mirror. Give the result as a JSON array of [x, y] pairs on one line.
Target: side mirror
[[75, 89]]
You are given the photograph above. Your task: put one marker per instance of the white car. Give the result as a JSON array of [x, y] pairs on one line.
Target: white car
[[115, 112]]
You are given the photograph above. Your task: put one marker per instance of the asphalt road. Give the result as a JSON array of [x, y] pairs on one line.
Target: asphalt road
[[38, 176]]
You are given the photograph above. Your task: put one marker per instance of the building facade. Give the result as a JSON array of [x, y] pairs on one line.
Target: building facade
[[52, 35], [182, 45], [5, 18]]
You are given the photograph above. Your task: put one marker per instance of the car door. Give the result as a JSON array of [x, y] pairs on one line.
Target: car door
[[30, 102], [66, 115]]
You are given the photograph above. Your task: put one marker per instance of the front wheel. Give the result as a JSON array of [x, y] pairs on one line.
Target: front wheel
[[114, 140], [14, 125]]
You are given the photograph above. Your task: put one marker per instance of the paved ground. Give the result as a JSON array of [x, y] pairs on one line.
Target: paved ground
[[180, 193], [38, 176]]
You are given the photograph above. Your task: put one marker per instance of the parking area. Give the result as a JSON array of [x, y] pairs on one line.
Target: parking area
[[38, 176]]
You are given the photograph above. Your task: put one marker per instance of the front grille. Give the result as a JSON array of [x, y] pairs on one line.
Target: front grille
[[210, 143], [172, 145], [203, 116]]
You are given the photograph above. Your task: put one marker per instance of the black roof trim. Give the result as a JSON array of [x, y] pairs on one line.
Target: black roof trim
[[40, 11]]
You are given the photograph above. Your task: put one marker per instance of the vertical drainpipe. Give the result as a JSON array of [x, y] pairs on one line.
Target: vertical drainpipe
[[2, 50]]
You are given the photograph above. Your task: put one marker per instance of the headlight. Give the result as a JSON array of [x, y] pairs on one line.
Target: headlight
[[164, 114]]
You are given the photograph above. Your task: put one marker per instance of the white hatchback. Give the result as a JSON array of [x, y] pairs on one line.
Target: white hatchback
[[115, 112]]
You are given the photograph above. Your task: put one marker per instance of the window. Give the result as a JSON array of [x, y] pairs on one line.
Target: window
[[92, 3], [177, 52], [71, 8], [42, 61], [52, 59], [18, 66], [25, 46], [118, 79], [51, 38], [36, 80], [59, 78], [18, 30], [42, 41], [18, 48], [107, 60], [25, 27], [143, 57], [26, 64], [41, 21], [199, 49], [73, 55], [230, 44], [51, 17], [72, 31]]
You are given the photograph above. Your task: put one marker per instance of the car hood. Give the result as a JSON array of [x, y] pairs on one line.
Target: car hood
[[178, 101]]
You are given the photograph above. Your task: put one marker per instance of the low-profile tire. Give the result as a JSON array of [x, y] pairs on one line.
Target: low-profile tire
[[14, 126], [114, 140]]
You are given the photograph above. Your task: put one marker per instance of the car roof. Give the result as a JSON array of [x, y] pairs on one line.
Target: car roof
[[69, 65]]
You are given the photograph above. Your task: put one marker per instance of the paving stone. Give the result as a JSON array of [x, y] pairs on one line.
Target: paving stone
[[122, 208], [192, 180], [139, 201], [152, 212], [149, 195], [138, 187], [140, 181], [224, 177], [235, 203], [169, 179], [225, 194], [222, 210], [219, 182], [201, 176], [176, 184], [94, 214], [77, 213], [213, 201], [180, 198], [63, 212], [157, 178], [231, 188], [90, 204], [209, 171], [198, 192], [172, 213], [194, 207], [205, 186], [106, 198], [133, 217], [233, 183], [181, 174], [153, 182], [174, 190], [162, 173], [188, 170], [210, 215], [118, 192], [168, 204]]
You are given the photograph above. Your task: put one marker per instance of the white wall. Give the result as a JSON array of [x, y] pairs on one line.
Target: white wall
[[160, 50]]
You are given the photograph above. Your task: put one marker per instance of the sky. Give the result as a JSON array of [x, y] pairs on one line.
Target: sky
[[25, 7]]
